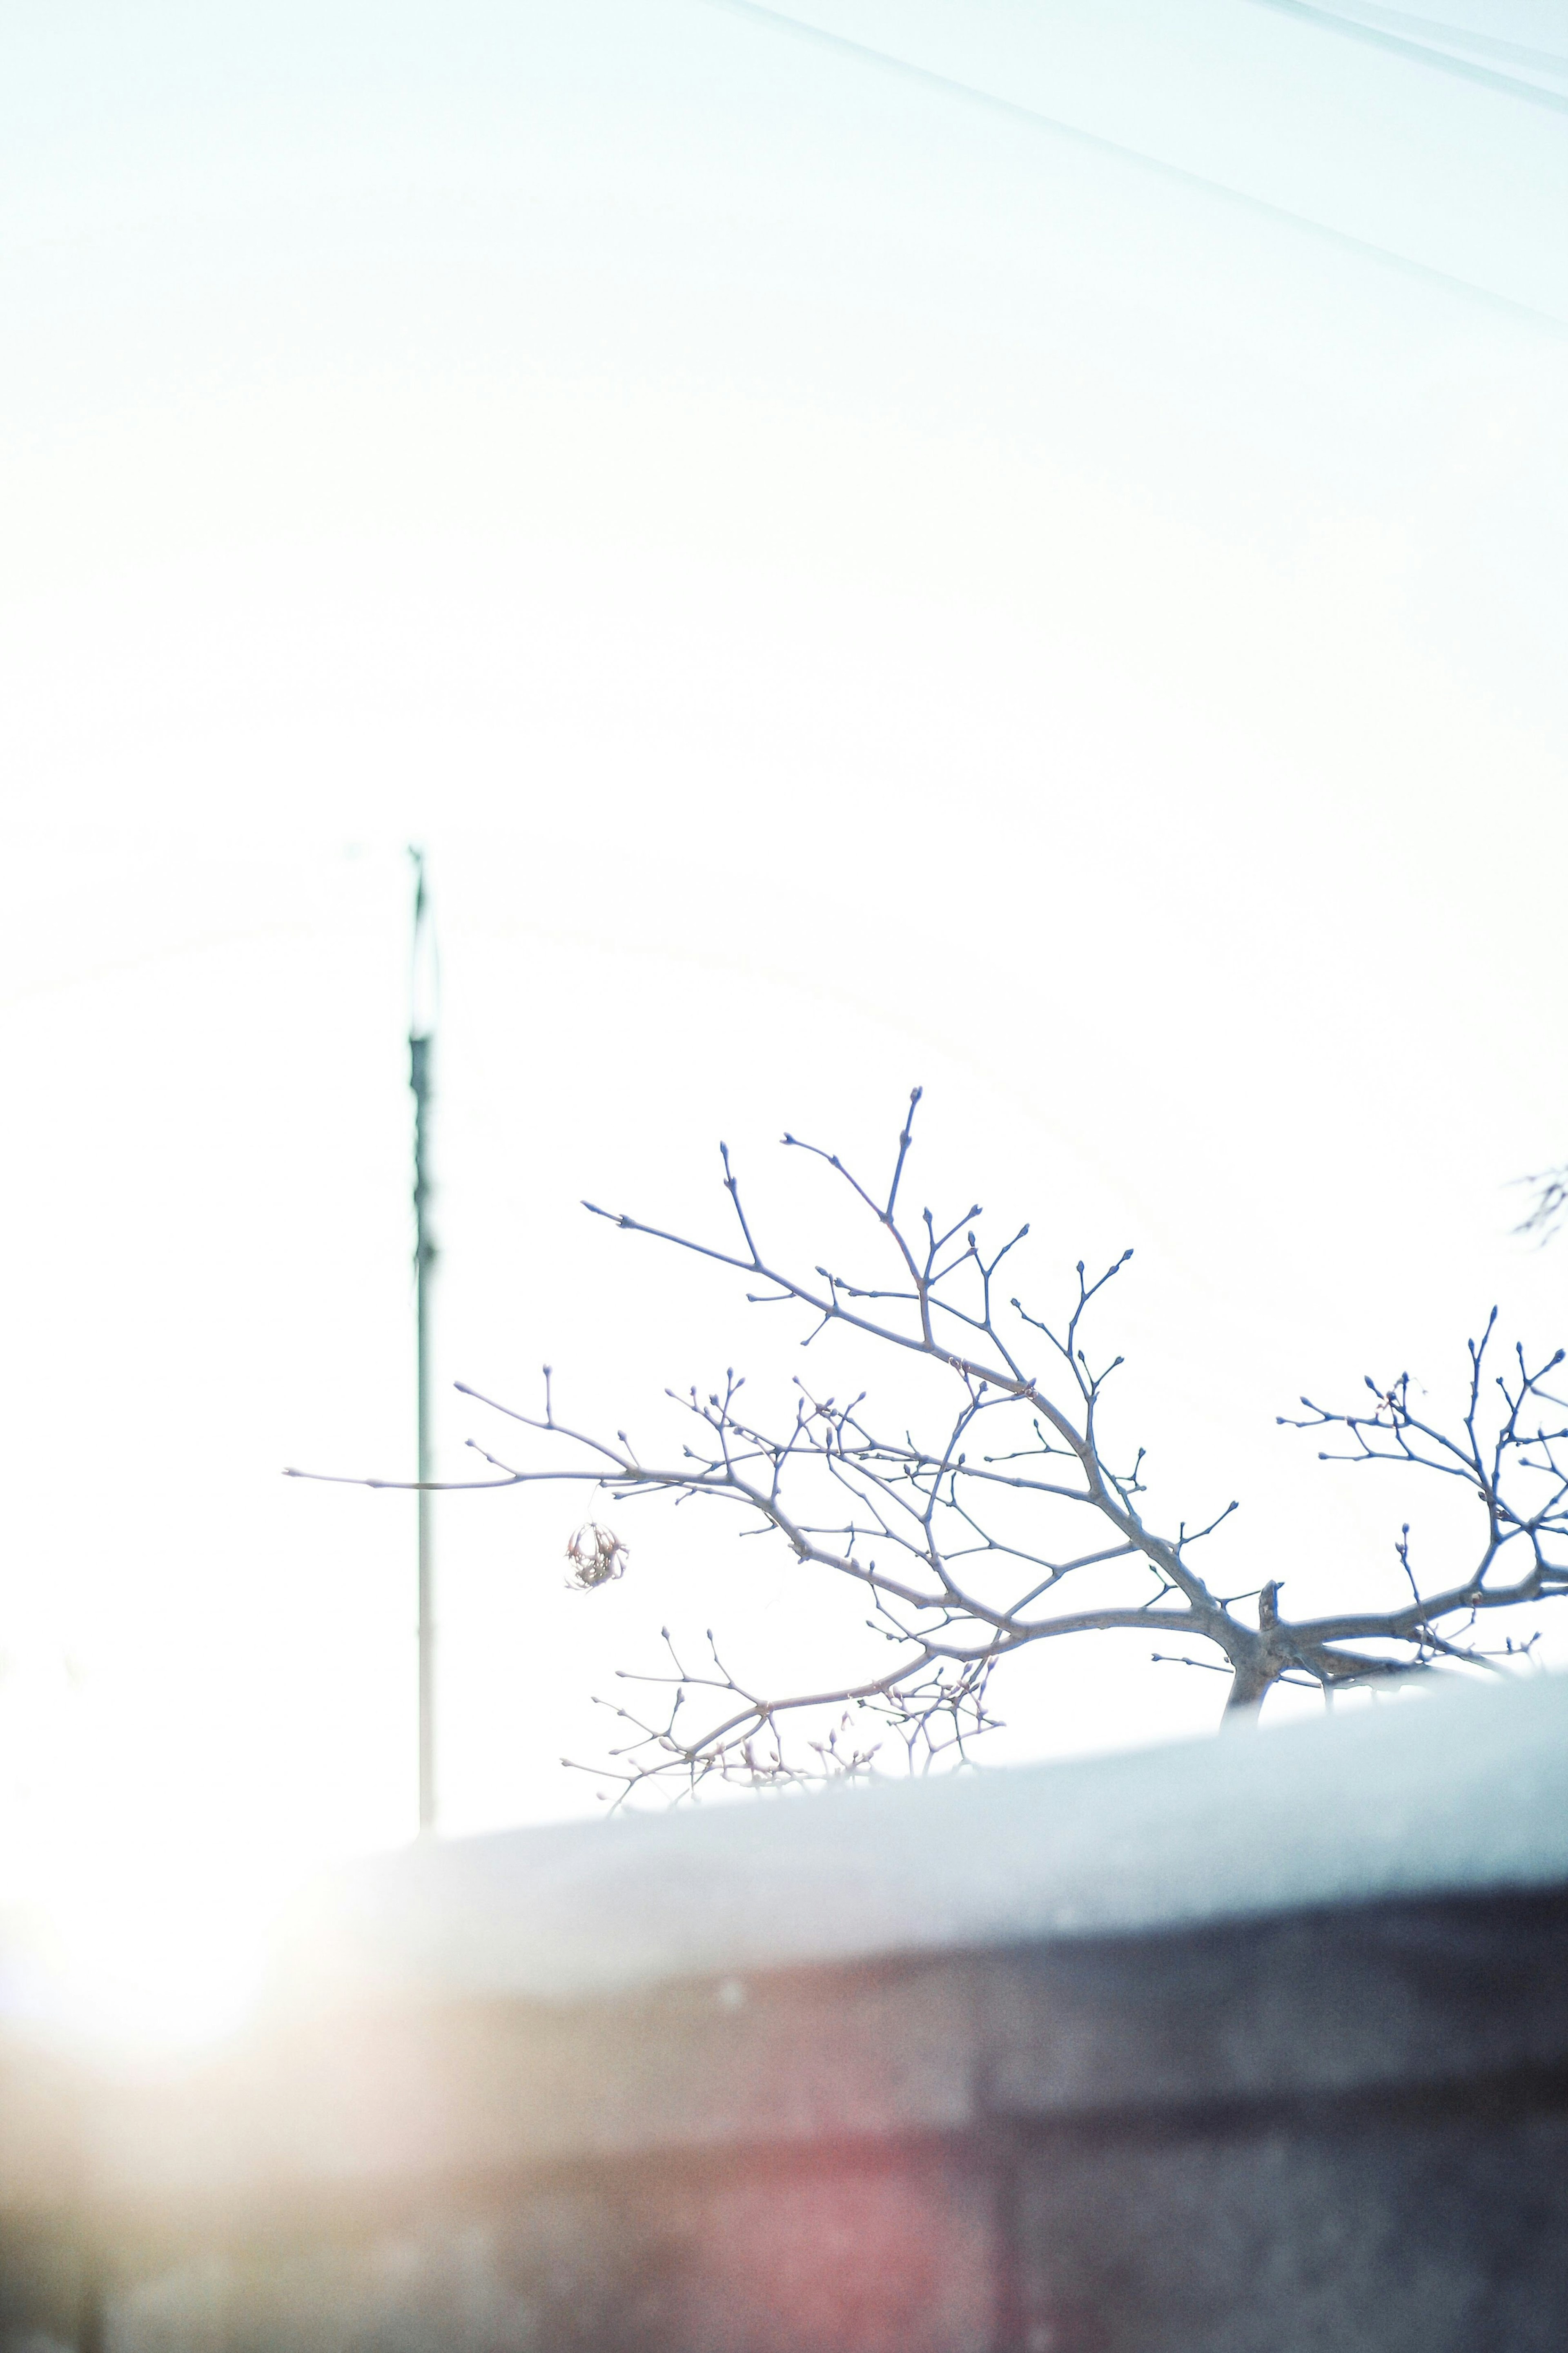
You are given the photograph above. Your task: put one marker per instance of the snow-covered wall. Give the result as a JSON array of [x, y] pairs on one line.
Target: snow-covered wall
[[1250, 2046], [1459, 1793]]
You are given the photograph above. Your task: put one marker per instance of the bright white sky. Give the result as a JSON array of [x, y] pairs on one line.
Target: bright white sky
[[851, 587]]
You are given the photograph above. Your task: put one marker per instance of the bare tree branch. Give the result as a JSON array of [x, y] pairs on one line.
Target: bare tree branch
[[1012, 1526], [1545, 1212]]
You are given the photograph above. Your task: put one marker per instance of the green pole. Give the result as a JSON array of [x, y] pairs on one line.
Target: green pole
[[421, 1044]]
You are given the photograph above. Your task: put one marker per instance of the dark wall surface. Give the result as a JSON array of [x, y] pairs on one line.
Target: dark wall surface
[[1341, 2131]]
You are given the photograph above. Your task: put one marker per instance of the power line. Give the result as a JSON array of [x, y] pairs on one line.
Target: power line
[[1458, 39], [1428, 53], [777, 20]]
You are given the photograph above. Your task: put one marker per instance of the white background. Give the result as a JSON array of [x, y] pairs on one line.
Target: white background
[[849, 586]]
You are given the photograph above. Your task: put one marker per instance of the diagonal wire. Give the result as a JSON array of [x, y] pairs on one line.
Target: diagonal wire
[[818, 36], [1431, 33], [1420, 52]]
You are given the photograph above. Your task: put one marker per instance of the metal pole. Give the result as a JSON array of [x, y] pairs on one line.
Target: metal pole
[[421, 1044]]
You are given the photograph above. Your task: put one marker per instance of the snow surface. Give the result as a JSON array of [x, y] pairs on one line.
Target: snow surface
[[1454, 1793]]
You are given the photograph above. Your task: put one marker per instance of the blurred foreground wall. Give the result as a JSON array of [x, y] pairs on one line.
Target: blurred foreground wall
[[1251, 2044]]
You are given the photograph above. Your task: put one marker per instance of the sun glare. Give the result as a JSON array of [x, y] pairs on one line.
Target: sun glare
[[148, 1950]]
